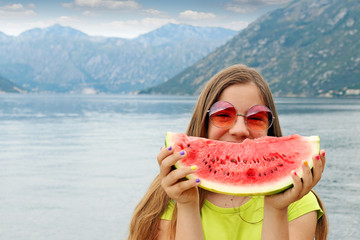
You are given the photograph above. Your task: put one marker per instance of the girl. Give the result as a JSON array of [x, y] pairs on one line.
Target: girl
[[175, 208]]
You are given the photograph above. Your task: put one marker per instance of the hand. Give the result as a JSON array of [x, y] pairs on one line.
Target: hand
[[174, 183], [301, 186]]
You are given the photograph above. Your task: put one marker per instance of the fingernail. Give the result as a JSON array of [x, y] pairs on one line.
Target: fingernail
[[170, 148], [306, 163], [193, 167], [323, 154], [295, 173], [197, 180], [182, 152], [317, 157]]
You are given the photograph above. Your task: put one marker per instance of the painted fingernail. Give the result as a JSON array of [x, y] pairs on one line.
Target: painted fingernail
[[193, 167], [295, 173], [317, 157], [306, 163], [323, 154], [197, 180], [170, 148], [182, 152]]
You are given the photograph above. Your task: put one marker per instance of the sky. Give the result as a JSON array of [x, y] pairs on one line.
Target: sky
[[129, 18]]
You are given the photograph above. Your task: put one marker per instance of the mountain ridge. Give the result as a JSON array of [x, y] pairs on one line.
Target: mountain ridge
[[6, 86], [63, 59], [54, 30], [302, 49]]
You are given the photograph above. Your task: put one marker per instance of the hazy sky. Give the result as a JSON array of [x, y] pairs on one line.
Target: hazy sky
[[129, 18]]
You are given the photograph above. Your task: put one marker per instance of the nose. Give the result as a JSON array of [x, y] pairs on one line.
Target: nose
[[239, 128]]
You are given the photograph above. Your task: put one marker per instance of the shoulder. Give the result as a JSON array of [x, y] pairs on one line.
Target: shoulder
[[306, 204]]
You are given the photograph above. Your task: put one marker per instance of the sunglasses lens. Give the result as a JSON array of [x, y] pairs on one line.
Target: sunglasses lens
[[222, 114], [259, 118]]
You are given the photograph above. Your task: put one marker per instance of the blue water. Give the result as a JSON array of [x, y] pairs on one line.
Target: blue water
[[74, 166]]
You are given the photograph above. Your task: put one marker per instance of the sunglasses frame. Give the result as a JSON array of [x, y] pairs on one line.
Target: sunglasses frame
[[242, 115]]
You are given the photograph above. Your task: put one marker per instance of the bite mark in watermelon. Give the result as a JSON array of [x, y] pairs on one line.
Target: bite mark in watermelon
[[261, 166]]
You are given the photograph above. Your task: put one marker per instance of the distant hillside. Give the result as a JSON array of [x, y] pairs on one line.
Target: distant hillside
[[307, 48], [63, 59], [8, 86], [3, 36]]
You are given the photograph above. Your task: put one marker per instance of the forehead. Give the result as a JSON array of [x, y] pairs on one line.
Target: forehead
[[242, 96]]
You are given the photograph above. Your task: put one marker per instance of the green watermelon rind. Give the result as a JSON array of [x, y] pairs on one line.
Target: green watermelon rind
[[284, 184]]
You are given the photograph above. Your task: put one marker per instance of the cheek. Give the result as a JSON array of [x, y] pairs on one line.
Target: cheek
[[215, 133], [259, 134]]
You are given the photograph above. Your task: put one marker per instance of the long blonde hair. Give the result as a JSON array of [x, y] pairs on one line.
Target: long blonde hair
[[145, 221]]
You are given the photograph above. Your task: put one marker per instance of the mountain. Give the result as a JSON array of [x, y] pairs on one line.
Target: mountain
[[54, 31], [4, 37], [174, 33], [63, 59], [5, 84], [8, 86], [306, 48]]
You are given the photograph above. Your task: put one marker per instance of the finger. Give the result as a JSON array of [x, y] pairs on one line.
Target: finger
[[317, 169], [177, 189], [178, 174], [307, 179], [294, 192], [169, 161], [164, 152], [322, 158]]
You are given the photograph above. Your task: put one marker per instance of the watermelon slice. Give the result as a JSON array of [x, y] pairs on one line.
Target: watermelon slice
[[254, 167]]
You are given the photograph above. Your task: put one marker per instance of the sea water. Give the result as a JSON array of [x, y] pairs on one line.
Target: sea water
[[75, 166]]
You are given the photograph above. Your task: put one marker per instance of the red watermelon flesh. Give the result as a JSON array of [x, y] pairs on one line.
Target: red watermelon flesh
[[261, 166]]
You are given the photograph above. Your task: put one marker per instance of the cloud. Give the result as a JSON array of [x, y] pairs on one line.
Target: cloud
[[247, 6], [193, 15], [237, 25], [67, 5], [104, 4], [261, 2], [157, 22], [240, 8], [16, 10], [90, 14], [66, 21], [154, 12], [14, 28], [128, 28], [13, 7]]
